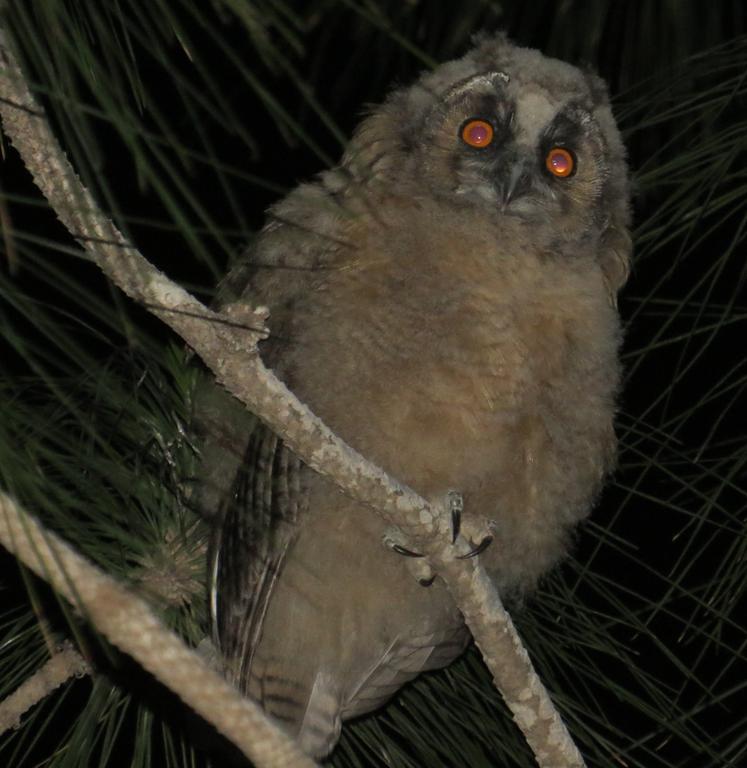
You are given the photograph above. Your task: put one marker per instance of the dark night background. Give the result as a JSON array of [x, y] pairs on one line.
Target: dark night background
[[187, 120]]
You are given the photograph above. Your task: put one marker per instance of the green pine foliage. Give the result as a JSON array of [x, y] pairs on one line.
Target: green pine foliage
[[186, 120]]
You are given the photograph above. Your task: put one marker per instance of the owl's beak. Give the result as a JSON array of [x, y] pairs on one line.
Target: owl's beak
[[518, 182]]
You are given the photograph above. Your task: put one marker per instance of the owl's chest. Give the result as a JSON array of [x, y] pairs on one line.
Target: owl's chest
[[452, 359]]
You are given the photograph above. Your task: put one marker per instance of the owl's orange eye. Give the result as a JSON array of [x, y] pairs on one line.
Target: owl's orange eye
[[477, 133], [560, 162]]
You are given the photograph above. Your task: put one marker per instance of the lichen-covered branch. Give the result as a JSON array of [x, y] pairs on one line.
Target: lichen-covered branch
[[509, 663], [129, 623], [227, 344]]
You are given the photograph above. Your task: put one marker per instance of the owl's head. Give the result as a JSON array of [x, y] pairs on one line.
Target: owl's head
[[516, 134]]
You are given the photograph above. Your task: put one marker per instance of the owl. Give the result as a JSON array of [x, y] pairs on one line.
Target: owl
[[445, 300]]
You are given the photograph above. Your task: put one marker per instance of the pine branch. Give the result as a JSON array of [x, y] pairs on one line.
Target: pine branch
[[227, 344], [63, 665]]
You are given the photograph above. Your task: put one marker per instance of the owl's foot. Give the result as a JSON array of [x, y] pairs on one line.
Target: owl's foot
[[455, 502], [394, 539]]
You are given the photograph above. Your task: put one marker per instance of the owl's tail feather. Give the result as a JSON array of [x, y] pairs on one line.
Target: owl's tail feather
[[322, 720], [310, 714]]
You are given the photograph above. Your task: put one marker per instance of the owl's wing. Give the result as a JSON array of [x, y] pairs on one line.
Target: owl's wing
[[260, 523], [254, 492]]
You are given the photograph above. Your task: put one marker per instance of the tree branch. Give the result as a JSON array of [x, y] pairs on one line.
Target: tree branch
[[63, 665], [128, 622], [228, 345]]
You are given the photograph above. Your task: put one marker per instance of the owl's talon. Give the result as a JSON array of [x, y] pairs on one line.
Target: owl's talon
[[456, 507], [415, 563], [481, 547], [400, 550]]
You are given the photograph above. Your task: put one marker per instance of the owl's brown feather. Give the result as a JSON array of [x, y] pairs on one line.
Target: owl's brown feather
[[447, 311]]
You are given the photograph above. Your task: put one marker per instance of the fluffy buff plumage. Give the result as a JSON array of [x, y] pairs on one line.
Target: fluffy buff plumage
[[449, 311]]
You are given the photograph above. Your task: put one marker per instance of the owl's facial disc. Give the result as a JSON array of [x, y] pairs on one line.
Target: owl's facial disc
[[514, 145], [530, 170]]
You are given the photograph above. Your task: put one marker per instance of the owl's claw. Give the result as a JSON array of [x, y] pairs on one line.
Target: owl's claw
[[394, 539], [481, 547], [456, 507], [455, 503], [416, 563], [400, 550]]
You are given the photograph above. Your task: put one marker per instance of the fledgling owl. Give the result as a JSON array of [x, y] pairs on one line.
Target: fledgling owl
[[445, 301]]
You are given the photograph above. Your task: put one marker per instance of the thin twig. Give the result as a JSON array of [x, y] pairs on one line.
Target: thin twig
[[63, 665]]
